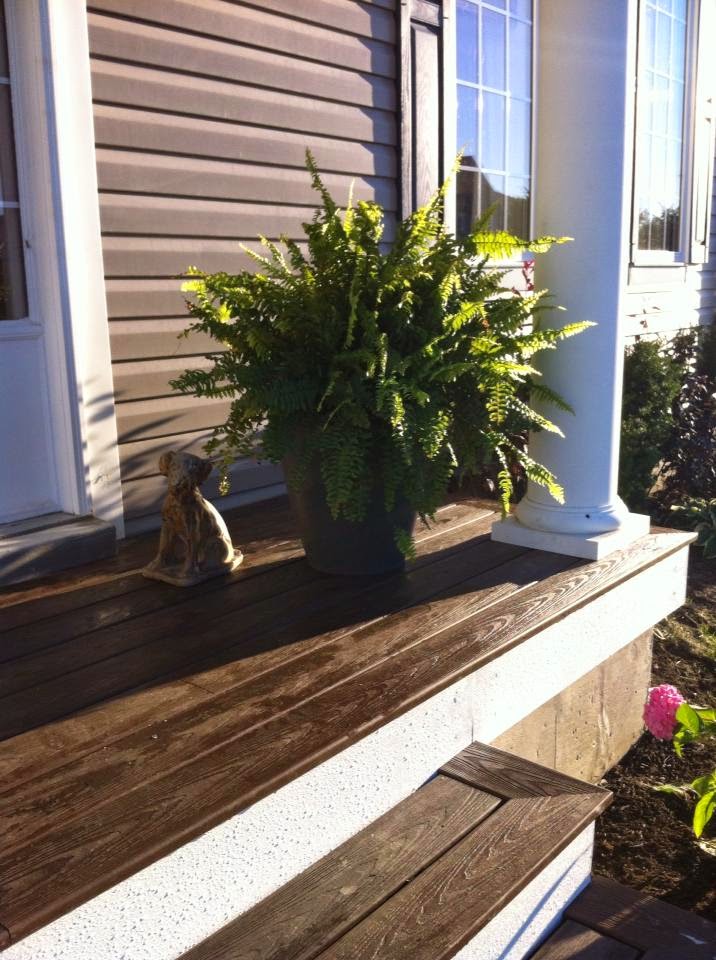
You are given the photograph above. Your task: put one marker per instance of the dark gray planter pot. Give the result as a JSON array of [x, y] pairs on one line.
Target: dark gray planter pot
[[342, 546]]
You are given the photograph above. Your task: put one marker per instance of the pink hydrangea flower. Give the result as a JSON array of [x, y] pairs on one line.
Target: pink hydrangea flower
[[660, 710]]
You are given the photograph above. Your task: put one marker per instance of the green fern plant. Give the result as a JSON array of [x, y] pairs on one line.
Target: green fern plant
[[388, 366]]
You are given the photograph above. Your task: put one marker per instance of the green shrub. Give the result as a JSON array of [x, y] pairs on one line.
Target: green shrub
[[653, 375]]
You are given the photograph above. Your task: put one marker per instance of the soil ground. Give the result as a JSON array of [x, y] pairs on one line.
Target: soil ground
[[645, 840]]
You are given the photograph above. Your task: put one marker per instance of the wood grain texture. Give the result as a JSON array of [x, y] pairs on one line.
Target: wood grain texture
[[572, 941], [326, 900], [266, 554], [510, 776], [642, 921], [449, 902], [253, 694], [286, 614]]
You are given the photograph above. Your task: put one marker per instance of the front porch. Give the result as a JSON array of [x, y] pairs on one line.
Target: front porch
[[171, 757]]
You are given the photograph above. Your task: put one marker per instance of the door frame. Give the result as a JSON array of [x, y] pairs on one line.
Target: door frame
[[49, 55]]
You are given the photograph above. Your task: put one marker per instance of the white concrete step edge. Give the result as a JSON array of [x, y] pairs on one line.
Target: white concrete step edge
[[178, 901]]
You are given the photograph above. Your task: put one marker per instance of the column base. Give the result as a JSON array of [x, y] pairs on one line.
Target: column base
[[587, 546]]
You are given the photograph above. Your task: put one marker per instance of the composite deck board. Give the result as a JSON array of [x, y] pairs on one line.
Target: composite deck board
[[239, 710], [387, 894], [255, 703], [572, 941], [324, 902], [166, 645], [268, 540], [77, 734], [642, 921], [447, 904], [509, 777]]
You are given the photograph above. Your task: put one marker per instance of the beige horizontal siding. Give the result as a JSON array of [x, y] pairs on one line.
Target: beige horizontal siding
[[156, 338], [134, 129], [273, 32], [203, 113]]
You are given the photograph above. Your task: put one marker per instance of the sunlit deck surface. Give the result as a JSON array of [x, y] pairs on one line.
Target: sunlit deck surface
[[136, 715]]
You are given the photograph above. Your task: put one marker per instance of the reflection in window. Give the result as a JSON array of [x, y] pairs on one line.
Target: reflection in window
[[494, 112], [13, 299], [660, 121]]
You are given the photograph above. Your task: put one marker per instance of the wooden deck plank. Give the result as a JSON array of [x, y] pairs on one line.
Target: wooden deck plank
[[74, 589], [325, 901], [85, 854], [268, 705], [510, 776], [449, 902], [572, 941], [261, 683], [72, 614], [110, 661], [641, 921]]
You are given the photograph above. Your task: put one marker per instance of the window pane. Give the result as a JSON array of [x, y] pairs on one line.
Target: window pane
[[660, 113], [467, 100], [492, 132], [13, 304], [520, 59], [519, 159], [499, 143], [467, 41], [521, 8], [493, 50]]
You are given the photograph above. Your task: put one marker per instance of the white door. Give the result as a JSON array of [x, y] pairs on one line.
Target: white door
[[35, 449]]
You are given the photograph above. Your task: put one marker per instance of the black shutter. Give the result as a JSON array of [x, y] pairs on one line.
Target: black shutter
[[425, 97]]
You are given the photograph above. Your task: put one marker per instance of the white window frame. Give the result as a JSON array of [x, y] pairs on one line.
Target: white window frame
[[451, 140], [681, 257]]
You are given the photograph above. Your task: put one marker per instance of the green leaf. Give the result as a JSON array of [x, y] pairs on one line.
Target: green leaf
[[688, 718], [704, 811]]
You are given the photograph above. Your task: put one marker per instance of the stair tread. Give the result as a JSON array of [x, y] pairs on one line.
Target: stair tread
[[425, 878]]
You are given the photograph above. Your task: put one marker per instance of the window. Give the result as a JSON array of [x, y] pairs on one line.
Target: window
[[673, 147], [494, 112], [13, 296]]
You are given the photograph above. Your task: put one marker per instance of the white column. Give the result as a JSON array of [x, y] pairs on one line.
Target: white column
[[584, 149]]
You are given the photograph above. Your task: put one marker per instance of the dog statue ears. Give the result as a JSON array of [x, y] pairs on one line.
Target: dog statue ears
[[194, 543]]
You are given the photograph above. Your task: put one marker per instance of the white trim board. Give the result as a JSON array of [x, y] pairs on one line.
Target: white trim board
[[161, 911], [65, 44]]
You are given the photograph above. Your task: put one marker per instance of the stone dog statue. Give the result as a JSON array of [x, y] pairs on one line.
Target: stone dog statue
[[194, 544]]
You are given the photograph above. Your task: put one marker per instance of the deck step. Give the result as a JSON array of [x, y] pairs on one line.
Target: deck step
[[45, 545], [656, 929], [426, 879]]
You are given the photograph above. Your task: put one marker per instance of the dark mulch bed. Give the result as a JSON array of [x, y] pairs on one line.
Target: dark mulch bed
[[644, 840]]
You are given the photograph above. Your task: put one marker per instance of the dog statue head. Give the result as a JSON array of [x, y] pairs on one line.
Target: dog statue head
[[184, 471]]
